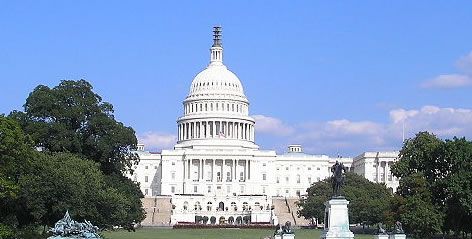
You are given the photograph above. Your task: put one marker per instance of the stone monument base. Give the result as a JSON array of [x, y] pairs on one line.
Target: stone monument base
[[288, 236], [336, 220], [381, 236], [397, 236]]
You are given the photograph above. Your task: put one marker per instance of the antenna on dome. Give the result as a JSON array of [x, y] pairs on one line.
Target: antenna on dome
[[217, 36]]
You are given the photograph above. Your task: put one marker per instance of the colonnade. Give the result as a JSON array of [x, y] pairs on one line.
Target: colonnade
[[235, 170], [385, 169], [216, 129]]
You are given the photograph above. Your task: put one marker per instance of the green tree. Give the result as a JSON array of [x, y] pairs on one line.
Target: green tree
[[369, 201], [72, 118], [445, 167], [15, 158], [85, 153], [415, 208], [62, 181]]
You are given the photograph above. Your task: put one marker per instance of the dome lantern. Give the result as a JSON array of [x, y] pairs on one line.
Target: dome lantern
[[217, 48]]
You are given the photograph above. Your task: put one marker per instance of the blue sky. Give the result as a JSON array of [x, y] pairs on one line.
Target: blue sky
[[338, 77]]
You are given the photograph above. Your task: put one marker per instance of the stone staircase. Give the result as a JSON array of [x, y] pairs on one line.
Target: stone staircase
[[299, 221], [158, 211], [286, 210]]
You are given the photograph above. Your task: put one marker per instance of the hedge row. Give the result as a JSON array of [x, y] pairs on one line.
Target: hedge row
[[185, 225]]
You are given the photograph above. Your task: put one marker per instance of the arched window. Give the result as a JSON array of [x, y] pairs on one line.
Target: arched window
[[197, 206], [209, 204], [228, 177], [185, 205]]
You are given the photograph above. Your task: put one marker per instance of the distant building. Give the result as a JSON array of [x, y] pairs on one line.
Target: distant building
[[217, 171]]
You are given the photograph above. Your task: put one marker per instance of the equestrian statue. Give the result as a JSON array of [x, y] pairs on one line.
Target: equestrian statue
[[337, 179]]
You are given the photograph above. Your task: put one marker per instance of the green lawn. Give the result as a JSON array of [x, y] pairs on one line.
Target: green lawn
[[154, 233]]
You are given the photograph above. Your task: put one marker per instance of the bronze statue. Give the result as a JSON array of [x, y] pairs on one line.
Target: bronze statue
[[68, 228], [337, 179], [398, 228], [381, 229]]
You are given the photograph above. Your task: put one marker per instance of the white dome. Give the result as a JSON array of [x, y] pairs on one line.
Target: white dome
[[216, 80]]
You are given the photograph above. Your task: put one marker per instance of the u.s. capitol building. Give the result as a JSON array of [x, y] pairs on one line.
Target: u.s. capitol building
[[216, 173]]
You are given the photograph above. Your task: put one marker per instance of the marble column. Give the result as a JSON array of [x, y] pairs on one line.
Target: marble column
[[213, 171]]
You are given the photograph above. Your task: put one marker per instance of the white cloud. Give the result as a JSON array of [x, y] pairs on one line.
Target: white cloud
[[354, 137], [398, 115], [270, 125], [157, 140], [448, 81], [465, 63]]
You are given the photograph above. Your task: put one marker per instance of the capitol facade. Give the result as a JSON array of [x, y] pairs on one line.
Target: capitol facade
[[216, 173]]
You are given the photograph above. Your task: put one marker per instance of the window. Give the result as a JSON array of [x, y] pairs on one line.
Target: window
[[146, 167], [173, 163], [218, 176], [195, 188], [263, 190], [286, 168], [146, 178], [172, 174], [264, 176], [317, 168], [298, 193], [172, 189], [298, 168], [155, 167], [298, 178], [241, 176], [228, 177], [277, 168], [286, 179], [264, 164], [146, 191], [242, 189], [278, 179], [309, 168], [228, 189], [209, 188], [309, 180]]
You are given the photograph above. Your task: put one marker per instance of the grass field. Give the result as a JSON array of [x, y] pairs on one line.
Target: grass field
[[158, 233]]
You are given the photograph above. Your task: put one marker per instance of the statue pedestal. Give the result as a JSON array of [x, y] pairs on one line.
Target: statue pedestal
[[288, 236], [336, 220], [277, 237], [397, 236], [381, 236]]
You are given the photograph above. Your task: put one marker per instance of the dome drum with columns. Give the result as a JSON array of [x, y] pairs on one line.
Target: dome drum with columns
[[216, 110]]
